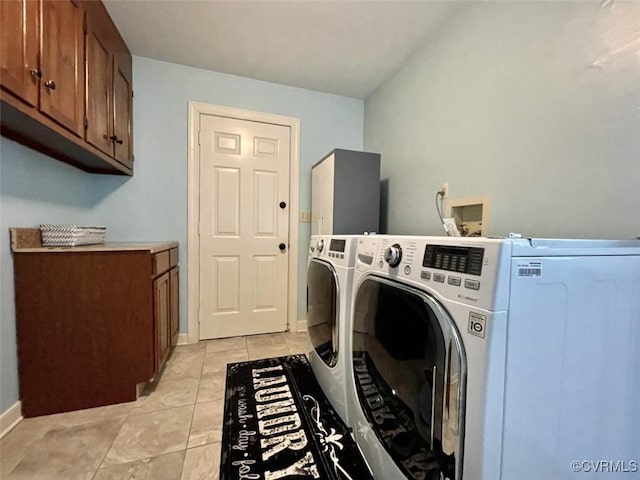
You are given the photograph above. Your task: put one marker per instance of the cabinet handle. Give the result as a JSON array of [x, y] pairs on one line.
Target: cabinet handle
[[36, 73], [116, 139], [50, 84]]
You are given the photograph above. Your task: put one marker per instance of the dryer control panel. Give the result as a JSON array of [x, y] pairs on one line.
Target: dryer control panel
[[339, 250]]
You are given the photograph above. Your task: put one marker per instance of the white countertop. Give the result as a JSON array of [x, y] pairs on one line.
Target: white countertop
[[153, 247]]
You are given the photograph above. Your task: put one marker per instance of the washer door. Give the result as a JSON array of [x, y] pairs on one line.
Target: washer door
[[410, 374], [322, 310]]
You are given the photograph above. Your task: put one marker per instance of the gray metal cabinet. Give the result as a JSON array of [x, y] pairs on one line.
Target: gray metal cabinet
[[345, 193]]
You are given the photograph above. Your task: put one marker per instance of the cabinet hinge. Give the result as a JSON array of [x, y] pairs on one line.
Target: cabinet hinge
[[131, 93], [86, 123]]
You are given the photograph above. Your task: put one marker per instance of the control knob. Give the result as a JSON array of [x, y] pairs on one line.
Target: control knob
[[393, 255], [320, 245]]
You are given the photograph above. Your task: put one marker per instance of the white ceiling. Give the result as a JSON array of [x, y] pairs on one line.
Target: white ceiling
[[342, 47]]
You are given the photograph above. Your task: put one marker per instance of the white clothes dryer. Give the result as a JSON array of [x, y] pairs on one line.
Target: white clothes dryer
[[329, 282], [495, 359]]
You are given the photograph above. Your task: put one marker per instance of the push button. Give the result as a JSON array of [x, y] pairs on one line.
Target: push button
[[472, 284], [439, 277], [454, 281], [424, 275], [407, 270]]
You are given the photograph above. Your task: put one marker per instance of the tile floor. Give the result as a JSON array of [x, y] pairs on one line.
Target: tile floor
[[172, 432]]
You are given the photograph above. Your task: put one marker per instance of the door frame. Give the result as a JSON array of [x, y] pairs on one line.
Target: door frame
[[196, 109]]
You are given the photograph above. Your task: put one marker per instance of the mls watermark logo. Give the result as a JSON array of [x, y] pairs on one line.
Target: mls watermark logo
[[604, 466], [476, 324]]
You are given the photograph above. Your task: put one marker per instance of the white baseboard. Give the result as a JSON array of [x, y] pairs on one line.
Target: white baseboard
[[183, 338], [302, 326], [11, 417]]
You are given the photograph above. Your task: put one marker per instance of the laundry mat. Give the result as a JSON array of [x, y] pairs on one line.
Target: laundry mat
[[279, 425]]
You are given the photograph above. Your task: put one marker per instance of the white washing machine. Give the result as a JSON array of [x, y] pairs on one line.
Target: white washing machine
[[496, 359], [329, 282]]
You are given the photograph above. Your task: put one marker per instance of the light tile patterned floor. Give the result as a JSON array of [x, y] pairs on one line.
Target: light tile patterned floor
[[172, 432]]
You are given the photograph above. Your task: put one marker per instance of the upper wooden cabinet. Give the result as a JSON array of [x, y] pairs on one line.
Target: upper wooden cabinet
[[19, 55], [99, 92], [61, 64], [109, 88], [66, 83], [122, 113]]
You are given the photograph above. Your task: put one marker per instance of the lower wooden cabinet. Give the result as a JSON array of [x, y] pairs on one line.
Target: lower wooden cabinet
[[92, 323], [165, 307], [174, 292]]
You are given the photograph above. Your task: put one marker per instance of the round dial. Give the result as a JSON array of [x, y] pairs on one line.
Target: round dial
[[320, 245], [393, 255]]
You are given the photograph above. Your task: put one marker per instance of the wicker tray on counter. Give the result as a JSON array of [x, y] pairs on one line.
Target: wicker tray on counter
[[71, 235]]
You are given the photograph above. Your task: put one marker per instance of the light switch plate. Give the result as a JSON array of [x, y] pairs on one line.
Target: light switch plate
[[305, 217]]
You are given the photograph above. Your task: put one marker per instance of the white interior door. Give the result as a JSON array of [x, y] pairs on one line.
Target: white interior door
[[244, 223]]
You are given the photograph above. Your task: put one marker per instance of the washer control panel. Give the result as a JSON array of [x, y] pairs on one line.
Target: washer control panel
[[393, 255], [454, 259], [462, 269]]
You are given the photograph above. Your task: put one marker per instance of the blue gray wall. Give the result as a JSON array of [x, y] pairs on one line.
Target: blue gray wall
[[152, 205], [536, 105]]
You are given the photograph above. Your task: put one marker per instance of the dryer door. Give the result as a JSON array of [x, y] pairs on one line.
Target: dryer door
[[410, 374], [322, 310]]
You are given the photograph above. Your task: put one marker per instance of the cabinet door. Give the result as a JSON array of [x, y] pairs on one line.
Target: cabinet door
[[98, 71], [122, 116], [162, 310], [174, 288], [322, 197], [62, 84], [19, 48]]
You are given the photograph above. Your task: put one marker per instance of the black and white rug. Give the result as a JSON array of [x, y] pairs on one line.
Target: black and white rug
[[279, 425]]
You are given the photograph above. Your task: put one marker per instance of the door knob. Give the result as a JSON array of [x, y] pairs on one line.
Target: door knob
[[50, 84], [283, 204], [282, 247], [116, 139], [36, 73]]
